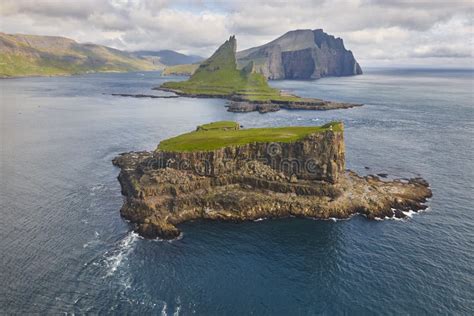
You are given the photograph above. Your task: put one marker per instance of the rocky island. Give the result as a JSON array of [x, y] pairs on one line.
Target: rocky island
[[223, 172], [246, 90]]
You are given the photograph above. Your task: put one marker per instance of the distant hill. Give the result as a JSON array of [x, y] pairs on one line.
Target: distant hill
[[301, 54], [180, 70], [169, 57], [32, 55]]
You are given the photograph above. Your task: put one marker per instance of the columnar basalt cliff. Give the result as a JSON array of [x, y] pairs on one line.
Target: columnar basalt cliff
[[318, 156], [302, 54], [298, 175]]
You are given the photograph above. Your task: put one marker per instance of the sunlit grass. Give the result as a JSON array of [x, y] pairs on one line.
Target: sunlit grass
[[218, 135]]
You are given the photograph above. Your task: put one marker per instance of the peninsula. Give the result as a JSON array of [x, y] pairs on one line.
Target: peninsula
[[247, 90], [223, 172]]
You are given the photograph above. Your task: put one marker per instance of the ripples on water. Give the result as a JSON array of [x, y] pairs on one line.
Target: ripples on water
[[65, 248]]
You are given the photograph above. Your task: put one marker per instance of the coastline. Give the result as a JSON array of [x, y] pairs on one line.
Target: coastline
[[240, 104], [74, 74]]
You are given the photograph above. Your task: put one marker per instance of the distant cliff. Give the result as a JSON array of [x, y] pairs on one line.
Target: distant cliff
[[33, 55], [301, 54]]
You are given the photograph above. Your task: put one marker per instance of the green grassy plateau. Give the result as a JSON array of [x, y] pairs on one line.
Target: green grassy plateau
[[218, 135], [220, 125], [219, 76]]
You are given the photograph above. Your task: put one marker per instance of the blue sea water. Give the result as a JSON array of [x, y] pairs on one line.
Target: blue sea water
[[65, 248]]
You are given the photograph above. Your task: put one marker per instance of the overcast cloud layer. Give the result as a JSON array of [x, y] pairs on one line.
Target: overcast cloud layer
[[432, 33]]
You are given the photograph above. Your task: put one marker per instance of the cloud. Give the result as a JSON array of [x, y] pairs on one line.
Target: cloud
[[374, 30], [53, 8], [441, 52]]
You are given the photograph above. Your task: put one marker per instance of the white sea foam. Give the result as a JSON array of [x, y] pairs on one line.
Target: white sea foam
[[393, 218], [332, 219], [115, 258], [164, 309], [96, 240], [260, 219], [96, 188], [178, 307]]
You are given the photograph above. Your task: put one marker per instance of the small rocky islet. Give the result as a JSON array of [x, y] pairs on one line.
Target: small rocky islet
[[224, 172]]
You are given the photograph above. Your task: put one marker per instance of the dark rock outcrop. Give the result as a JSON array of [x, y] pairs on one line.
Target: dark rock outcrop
[[302, 54], [241, 106]]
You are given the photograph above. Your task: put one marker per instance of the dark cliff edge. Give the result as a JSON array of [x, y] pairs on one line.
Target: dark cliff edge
[[305, 178], [302, 54]]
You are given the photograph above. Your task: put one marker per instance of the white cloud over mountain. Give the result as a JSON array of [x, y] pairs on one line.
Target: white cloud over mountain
[[378, 32]]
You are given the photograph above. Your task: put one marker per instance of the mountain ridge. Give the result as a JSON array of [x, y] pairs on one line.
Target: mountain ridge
[[37, 55], [169, 57]]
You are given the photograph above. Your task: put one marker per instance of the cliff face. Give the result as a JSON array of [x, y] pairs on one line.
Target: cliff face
[[302, 54], [164, 189], [319, 156]]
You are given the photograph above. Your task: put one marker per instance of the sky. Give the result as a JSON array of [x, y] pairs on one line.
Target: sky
[[379, 33]]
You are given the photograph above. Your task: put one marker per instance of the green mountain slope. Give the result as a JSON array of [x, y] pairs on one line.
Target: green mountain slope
[[31, 55], [219, 76]]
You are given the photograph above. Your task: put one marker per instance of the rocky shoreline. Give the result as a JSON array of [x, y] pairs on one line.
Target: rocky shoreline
[[274, 106], [152, 96], [239, 104], [305, 178]]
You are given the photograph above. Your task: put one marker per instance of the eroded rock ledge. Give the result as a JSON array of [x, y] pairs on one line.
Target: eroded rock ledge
[[304, 178], [241, 104]]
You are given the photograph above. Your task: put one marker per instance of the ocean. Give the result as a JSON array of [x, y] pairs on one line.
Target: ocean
[[65, 248]]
